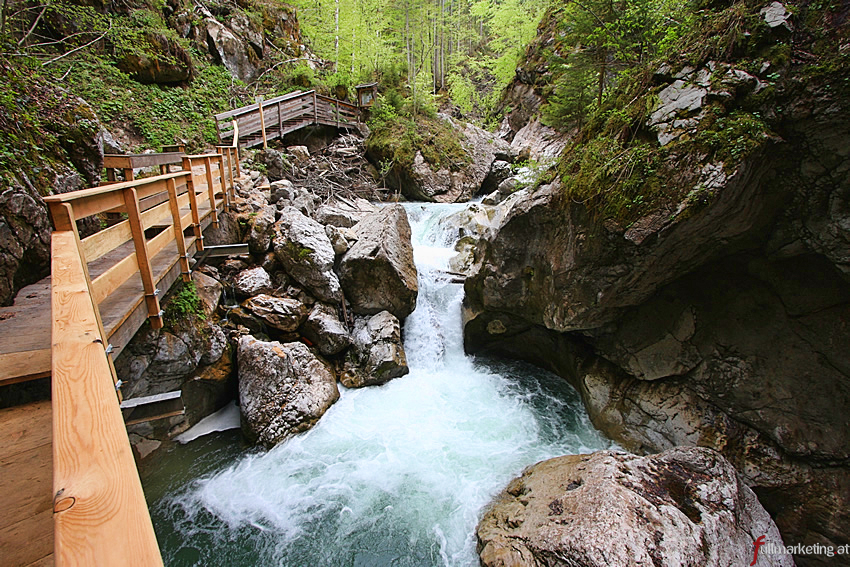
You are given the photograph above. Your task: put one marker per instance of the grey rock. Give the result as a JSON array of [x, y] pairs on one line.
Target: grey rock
[[300, 155], [324, 329], [377, 272], [683, 507], [283, 389], [281, 313], [678, 97], [230, 50], [276, 164], [304, 249], [282, 190], [338, 240], [209, 291], [261, 230], [253, 281], [377, 355], [776, 15]]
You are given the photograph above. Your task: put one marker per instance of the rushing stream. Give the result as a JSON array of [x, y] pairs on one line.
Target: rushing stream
[[391, 475]]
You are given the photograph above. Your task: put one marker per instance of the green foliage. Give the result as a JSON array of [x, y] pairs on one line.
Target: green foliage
[[734, 136], [396, 135], [161, 114], [183, 304]]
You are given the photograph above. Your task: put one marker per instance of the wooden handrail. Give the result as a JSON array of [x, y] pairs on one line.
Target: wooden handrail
[[100, 513]]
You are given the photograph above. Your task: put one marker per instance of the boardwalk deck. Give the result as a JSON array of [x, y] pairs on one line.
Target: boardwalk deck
[[26, 485], [76, 445]]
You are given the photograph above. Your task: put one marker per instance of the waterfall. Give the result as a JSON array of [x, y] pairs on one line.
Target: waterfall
[[395, 475]]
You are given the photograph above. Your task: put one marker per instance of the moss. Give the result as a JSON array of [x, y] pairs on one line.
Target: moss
[[396, 137], [183, 304]]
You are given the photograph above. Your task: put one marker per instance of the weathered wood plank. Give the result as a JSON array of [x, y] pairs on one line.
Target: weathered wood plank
[[29, 541], [26, 484], [23, 366], [101, 517]]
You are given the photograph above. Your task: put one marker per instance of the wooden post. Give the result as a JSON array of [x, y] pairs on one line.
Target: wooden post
[[110, 175], [178, 230], [131, 201], [315, 108], [218, 130], [231, 152], [236, 156], [128, 174], [223, 176], [262, 122], [211, 191], [279, 123], [193, 204]]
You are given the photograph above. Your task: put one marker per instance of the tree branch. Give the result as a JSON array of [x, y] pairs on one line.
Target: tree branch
[[46, 63]]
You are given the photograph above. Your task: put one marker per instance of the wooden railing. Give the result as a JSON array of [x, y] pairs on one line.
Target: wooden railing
[[103, 288], [276, 117]]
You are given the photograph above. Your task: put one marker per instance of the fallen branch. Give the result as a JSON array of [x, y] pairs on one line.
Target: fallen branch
[[46, 63]]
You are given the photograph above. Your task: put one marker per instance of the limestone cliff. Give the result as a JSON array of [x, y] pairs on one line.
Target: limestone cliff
[[705, 301]]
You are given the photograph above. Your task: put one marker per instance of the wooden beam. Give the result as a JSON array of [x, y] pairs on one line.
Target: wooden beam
[[193, 203], [131, 201], [178, 231], [211, 188], [100, 513]]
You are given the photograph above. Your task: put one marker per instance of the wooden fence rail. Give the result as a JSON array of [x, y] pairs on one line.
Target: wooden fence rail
[[103, 288]]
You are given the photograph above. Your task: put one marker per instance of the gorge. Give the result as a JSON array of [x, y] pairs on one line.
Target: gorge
[[640, 320]]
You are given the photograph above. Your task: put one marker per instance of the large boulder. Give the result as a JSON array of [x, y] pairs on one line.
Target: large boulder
[[377, 272], [284, 314], [377, 355], [324, 329], [283, 389], [156, 59], [209, 291], [685, 507], [253, 281], [228, 49], [261, 230], [303, 247], [24, 241]]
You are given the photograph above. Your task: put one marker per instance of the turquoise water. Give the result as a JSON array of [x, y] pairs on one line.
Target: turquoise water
[[395, 475]]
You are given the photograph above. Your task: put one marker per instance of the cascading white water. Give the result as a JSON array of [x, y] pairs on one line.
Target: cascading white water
[[391, 475]]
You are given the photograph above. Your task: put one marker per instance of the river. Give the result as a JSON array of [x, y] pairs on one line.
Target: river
[[395, 475]]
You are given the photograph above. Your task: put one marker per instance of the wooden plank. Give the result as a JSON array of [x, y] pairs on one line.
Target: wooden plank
[[45, 561], [30, 540], [253, 107], [24, 427], [26, 483], [101, 517], [108, 239], [23, 366]]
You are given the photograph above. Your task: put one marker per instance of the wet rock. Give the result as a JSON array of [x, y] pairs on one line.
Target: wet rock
[[281, 313], [342, 215], [683, 507], [324, 329], [377, 355], [227, 232], [499, 171], [283, 389], [253, 281], [377, 272], [304, 249]]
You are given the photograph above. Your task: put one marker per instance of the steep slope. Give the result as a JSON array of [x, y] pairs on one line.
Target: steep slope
[[688, 271]]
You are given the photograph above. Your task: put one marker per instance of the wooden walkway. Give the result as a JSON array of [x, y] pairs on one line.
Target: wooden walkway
[[276, 117], [68, 480]]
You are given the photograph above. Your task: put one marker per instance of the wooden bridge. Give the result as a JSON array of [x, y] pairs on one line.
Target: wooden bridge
[[274, 118], [102, 288]]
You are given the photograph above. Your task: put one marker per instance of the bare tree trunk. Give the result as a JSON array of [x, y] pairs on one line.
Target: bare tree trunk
[[336, 36]]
